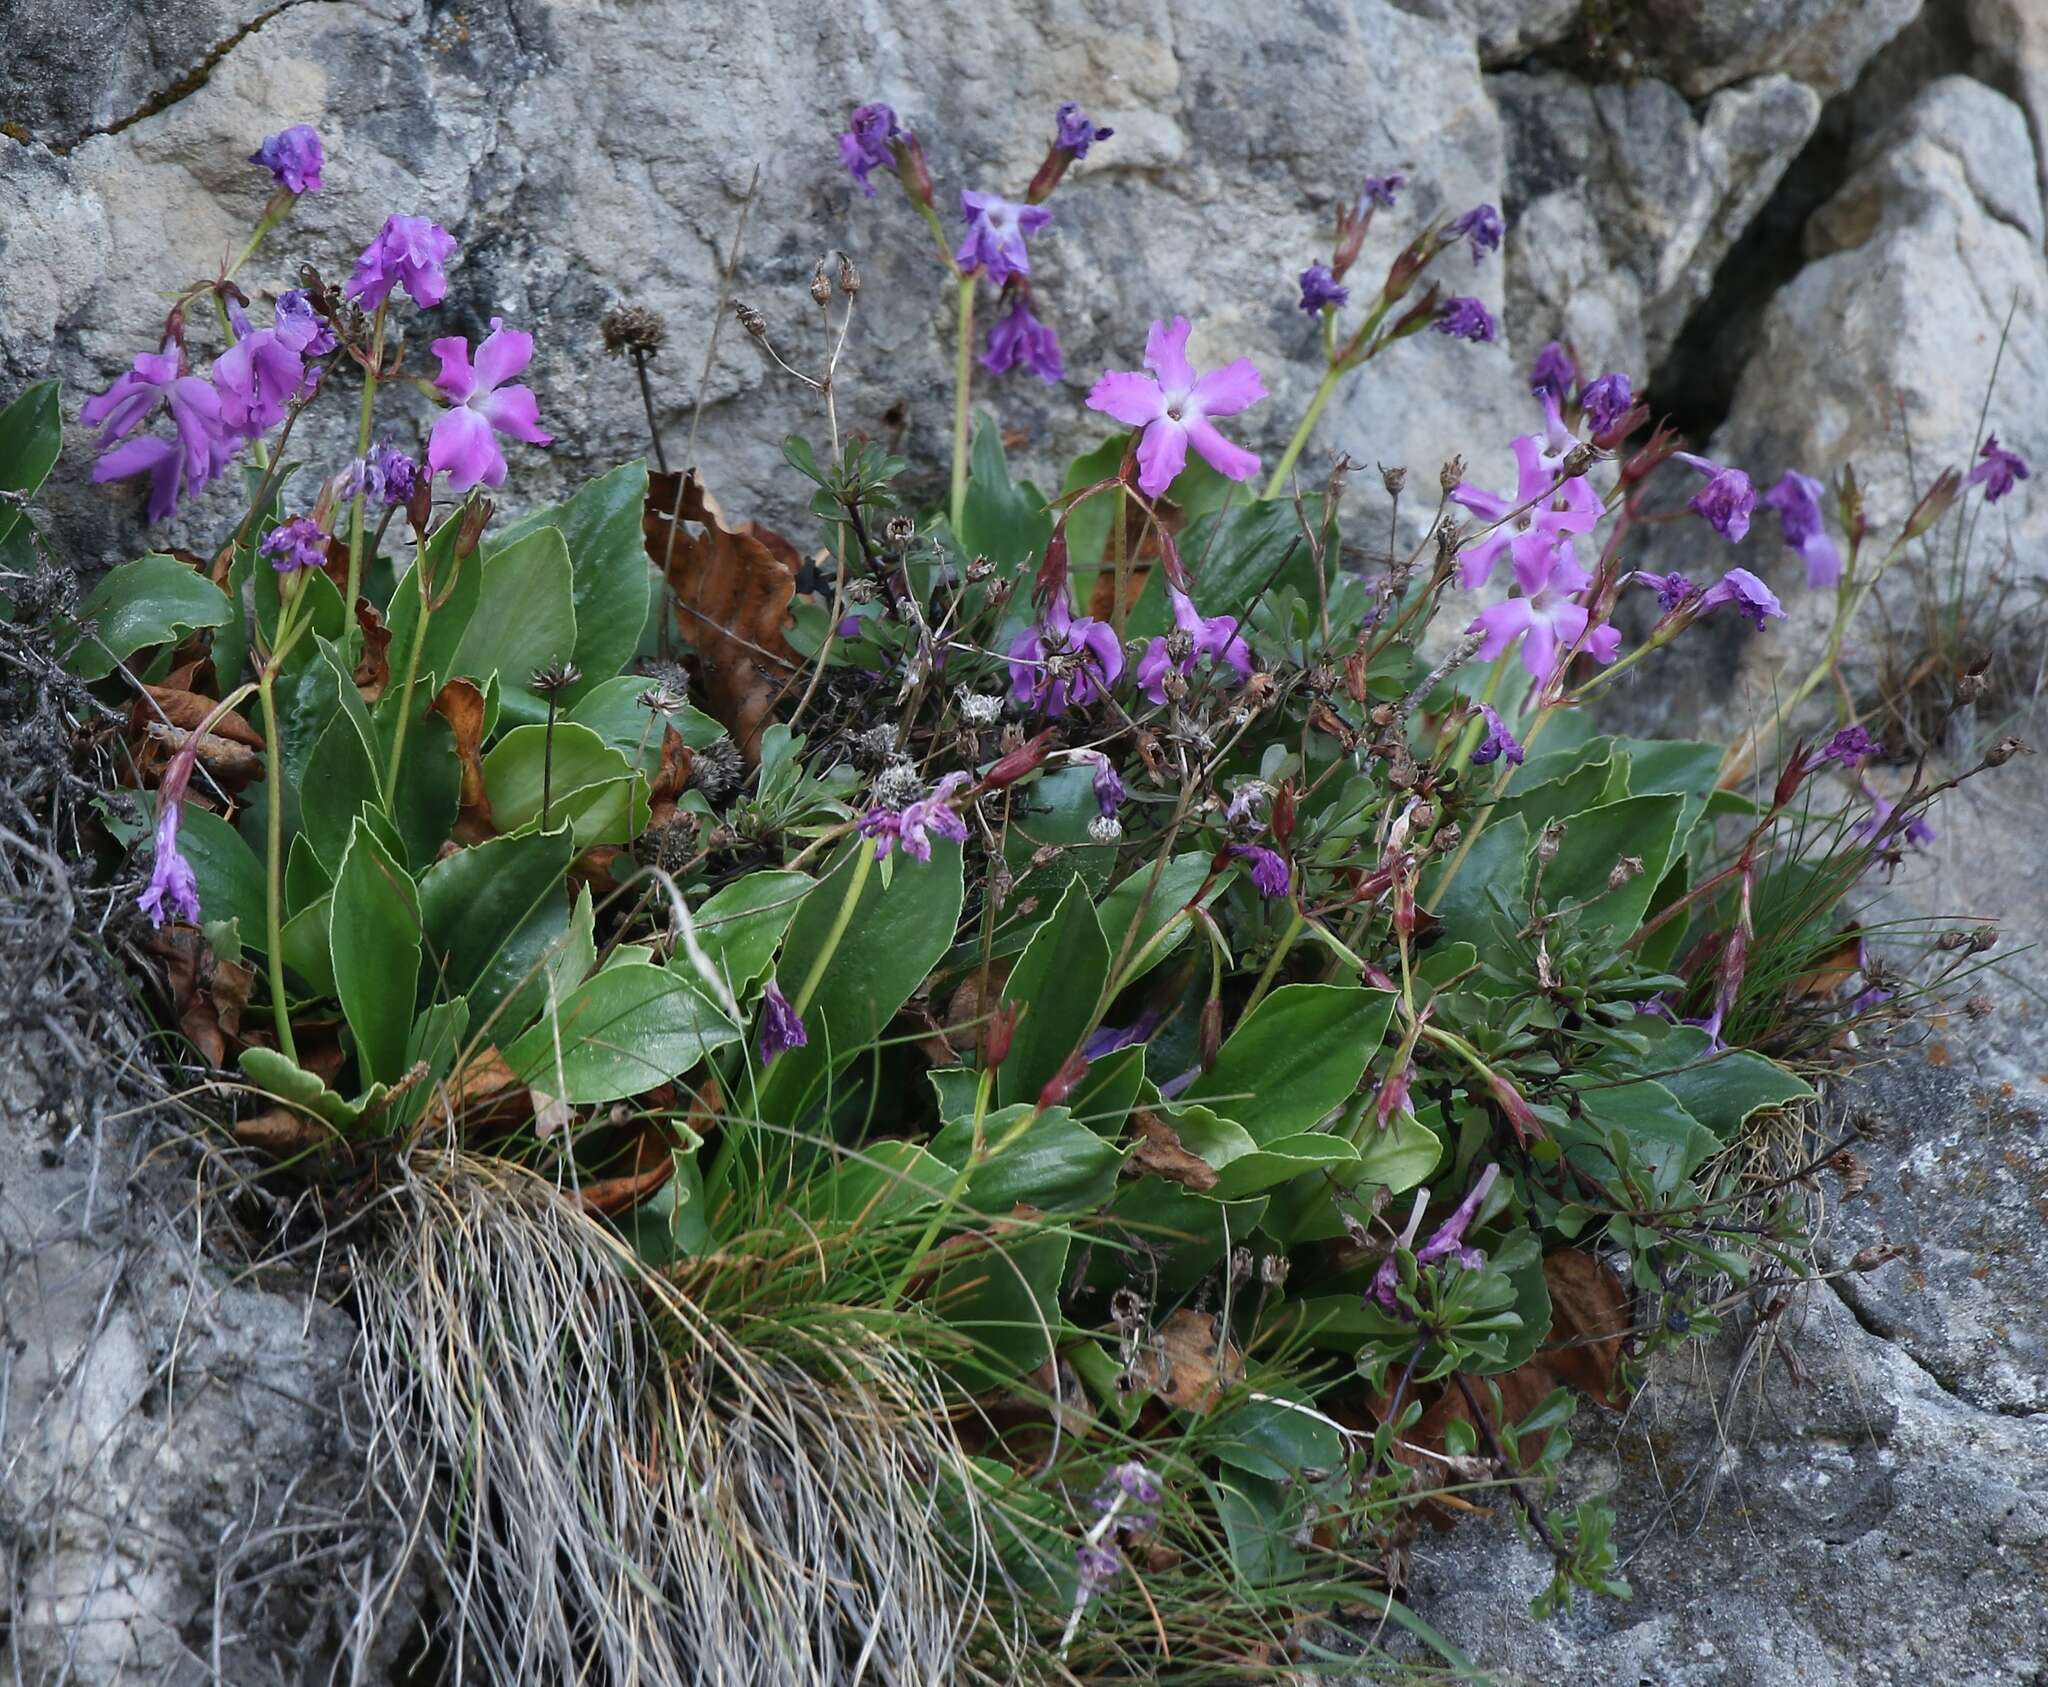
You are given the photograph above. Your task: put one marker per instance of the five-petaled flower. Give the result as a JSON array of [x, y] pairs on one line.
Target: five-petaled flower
[[1466, 319], [867, 144], [1546, 618], [293, 156], [1542, 511], [1726, 502], [994, 241], [256, 377], [1553, 374], [295, 544], [1998, 471], [1875, 826], [1196, 638], [1447, 1242], [1851, 747], [1380, 190], [914, 825], [1176, 407], [464, 443], [1606, 401], [1271, 876], [781, 1028], [1738, 589], [300, 327], [1021, 338], [409, 252], [1320, 290], [1064, 659], [1796, 498]]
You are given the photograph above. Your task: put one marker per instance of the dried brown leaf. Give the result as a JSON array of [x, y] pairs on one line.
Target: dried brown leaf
[[1159, 1150], [461, 704], [1198, 1367], [373, 668]]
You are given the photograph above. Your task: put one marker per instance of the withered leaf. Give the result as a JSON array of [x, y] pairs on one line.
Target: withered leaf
[[373, 667], [229, 762], [188, 710], [1159, 1150], [461, 704], [1198, 1368], [733, 588]]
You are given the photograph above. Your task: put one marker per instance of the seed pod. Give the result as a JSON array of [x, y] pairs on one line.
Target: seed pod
[[1450, 475]]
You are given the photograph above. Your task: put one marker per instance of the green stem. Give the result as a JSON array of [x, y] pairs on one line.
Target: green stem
[[1288, 458], [1485, 814], [355, 519], [1265, 983], [279, 208], [856, 881], [273, 911], [975, 1152], [412, 674], [963, 391]]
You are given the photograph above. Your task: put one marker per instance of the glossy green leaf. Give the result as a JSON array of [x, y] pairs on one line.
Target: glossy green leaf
[[1596, 841], [1054, 989], [1296, 1057], [1043, 1160], [620, 1033], [1660, 1131], [1007, 1301], [31, 435], [1723, 1089], [1275, 1439], [375, 941], [740, 926], [475, 906], [151, 601], [1234, 555], [1491, 889], [525, 619], [1004, 521], [307, 946], [613, 711], [590, 785], [553, 951], [611, 580], [227, 871], [881, 1182], [1139, 908], [275, 1075], [435, 1044], [340, 779], [1280, 1161]]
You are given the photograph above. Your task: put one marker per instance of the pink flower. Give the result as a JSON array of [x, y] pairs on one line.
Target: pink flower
[[1545, 617], [409, 252], [1214, 637], [464, 444], [994, 241], [172, 887], [1174, 406], [1063, 659], [1534, 532]]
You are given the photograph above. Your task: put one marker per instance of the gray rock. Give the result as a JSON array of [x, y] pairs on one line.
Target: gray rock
[[2012, 40], [1824, 43], [1622, 202], [1506, 30]]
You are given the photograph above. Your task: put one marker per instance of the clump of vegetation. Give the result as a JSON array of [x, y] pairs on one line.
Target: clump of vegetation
[[993, 1091]]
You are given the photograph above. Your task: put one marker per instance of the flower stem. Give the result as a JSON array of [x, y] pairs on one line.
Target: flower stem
[[412, 674], [1292, 454], [1280, 949], [273, 911], [963, 392], [856, 882], [363, 426]]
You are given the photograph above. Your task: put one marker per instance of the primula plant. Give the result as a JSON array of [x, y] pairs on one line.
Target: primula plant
[[1143, 955]]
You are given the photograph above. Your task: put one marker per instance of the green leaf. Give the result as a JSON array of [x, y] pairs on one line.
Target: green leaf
[[31, 435], [592, 786], [1003, 521], [1006, 1300], [227, 872], [476, 906], [1273, 1439], [1401, 1156], [1281, 1161], [1259, 1518], [1088, 525], [1722, 1091], [307, 945], [1662, 1133], [459, 589], [429, 795], [1234, 555], [525, 618], [740, 926], [1054, 988], [553, 951], [874, 1185], [306, 880], [619, 1034], [340, 778], [1597, 839], [611, 581], [272, 1073], [151, 601], [1494, 876], [1056, 809], [1179, 882], [1044, 1160], [435, 1043], [1296, 1057], [892, 937], [612, 711], [375, 941]]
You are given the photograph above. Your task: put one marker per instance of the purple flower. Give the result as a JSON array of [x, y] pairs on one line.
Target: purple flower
[[1545, 617], [1796, 498], [1744, 592], [1876, 823], [1064, 659], [1110, 1039], [1319, 288], [1213, 638], [1465, 319], [1533, 521], [1554, 374], [996, 228], [1137, 1482], [1096, 1565], [1109, 786], [202, 449], [1999, 471], [1271, 875], [1175, 407], [781, 1029], [1246, 803], [1727, 499], [1021, 338], [1498, 742], [295, 544], [865, 146], [294, 157], [914, 823], [1077, 130], [1380, 190], [408, 252], [256, 378], [1447, 1242], [1672, 589], [1851, 747], [1483, 228], [397, 472], [299, 327], [464, 443], [172, 885], [1393, 1094], [1606, 401]]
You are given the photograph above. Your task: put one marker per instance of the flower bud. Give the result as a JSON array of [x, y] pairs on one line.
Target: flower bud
[[1933, 503], [1519, 1113], [911, 169], [1002, 1027], [474, 517], [1209, 1033], [1063, 1082], [1016, 762]]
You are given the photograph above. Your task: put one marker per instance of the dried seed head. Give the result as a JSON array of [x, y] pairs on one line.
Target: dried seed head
[[1578, 460], [1013, 739], [1393, 479], [1320, 678], [555, 678], [863, 588], [898, 783], [849, 277], [1241, 1265], [1046, 854], [1447, 838], [2005, 749], [977, 708], [821, 288], [898, 532], [1450, 474], [670, 845], [660, 700], [1979, 1007], [718, 769], [1105, 829], [750, 319], [876, 745], [1984, 937], [999, 592], [1180, 646], [1624, 870], [1448, 538], [1175, 685], [1970, 686], [1273, 1270], [979, 570], [1550, 842], [632, 328], [1877, 1254]]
